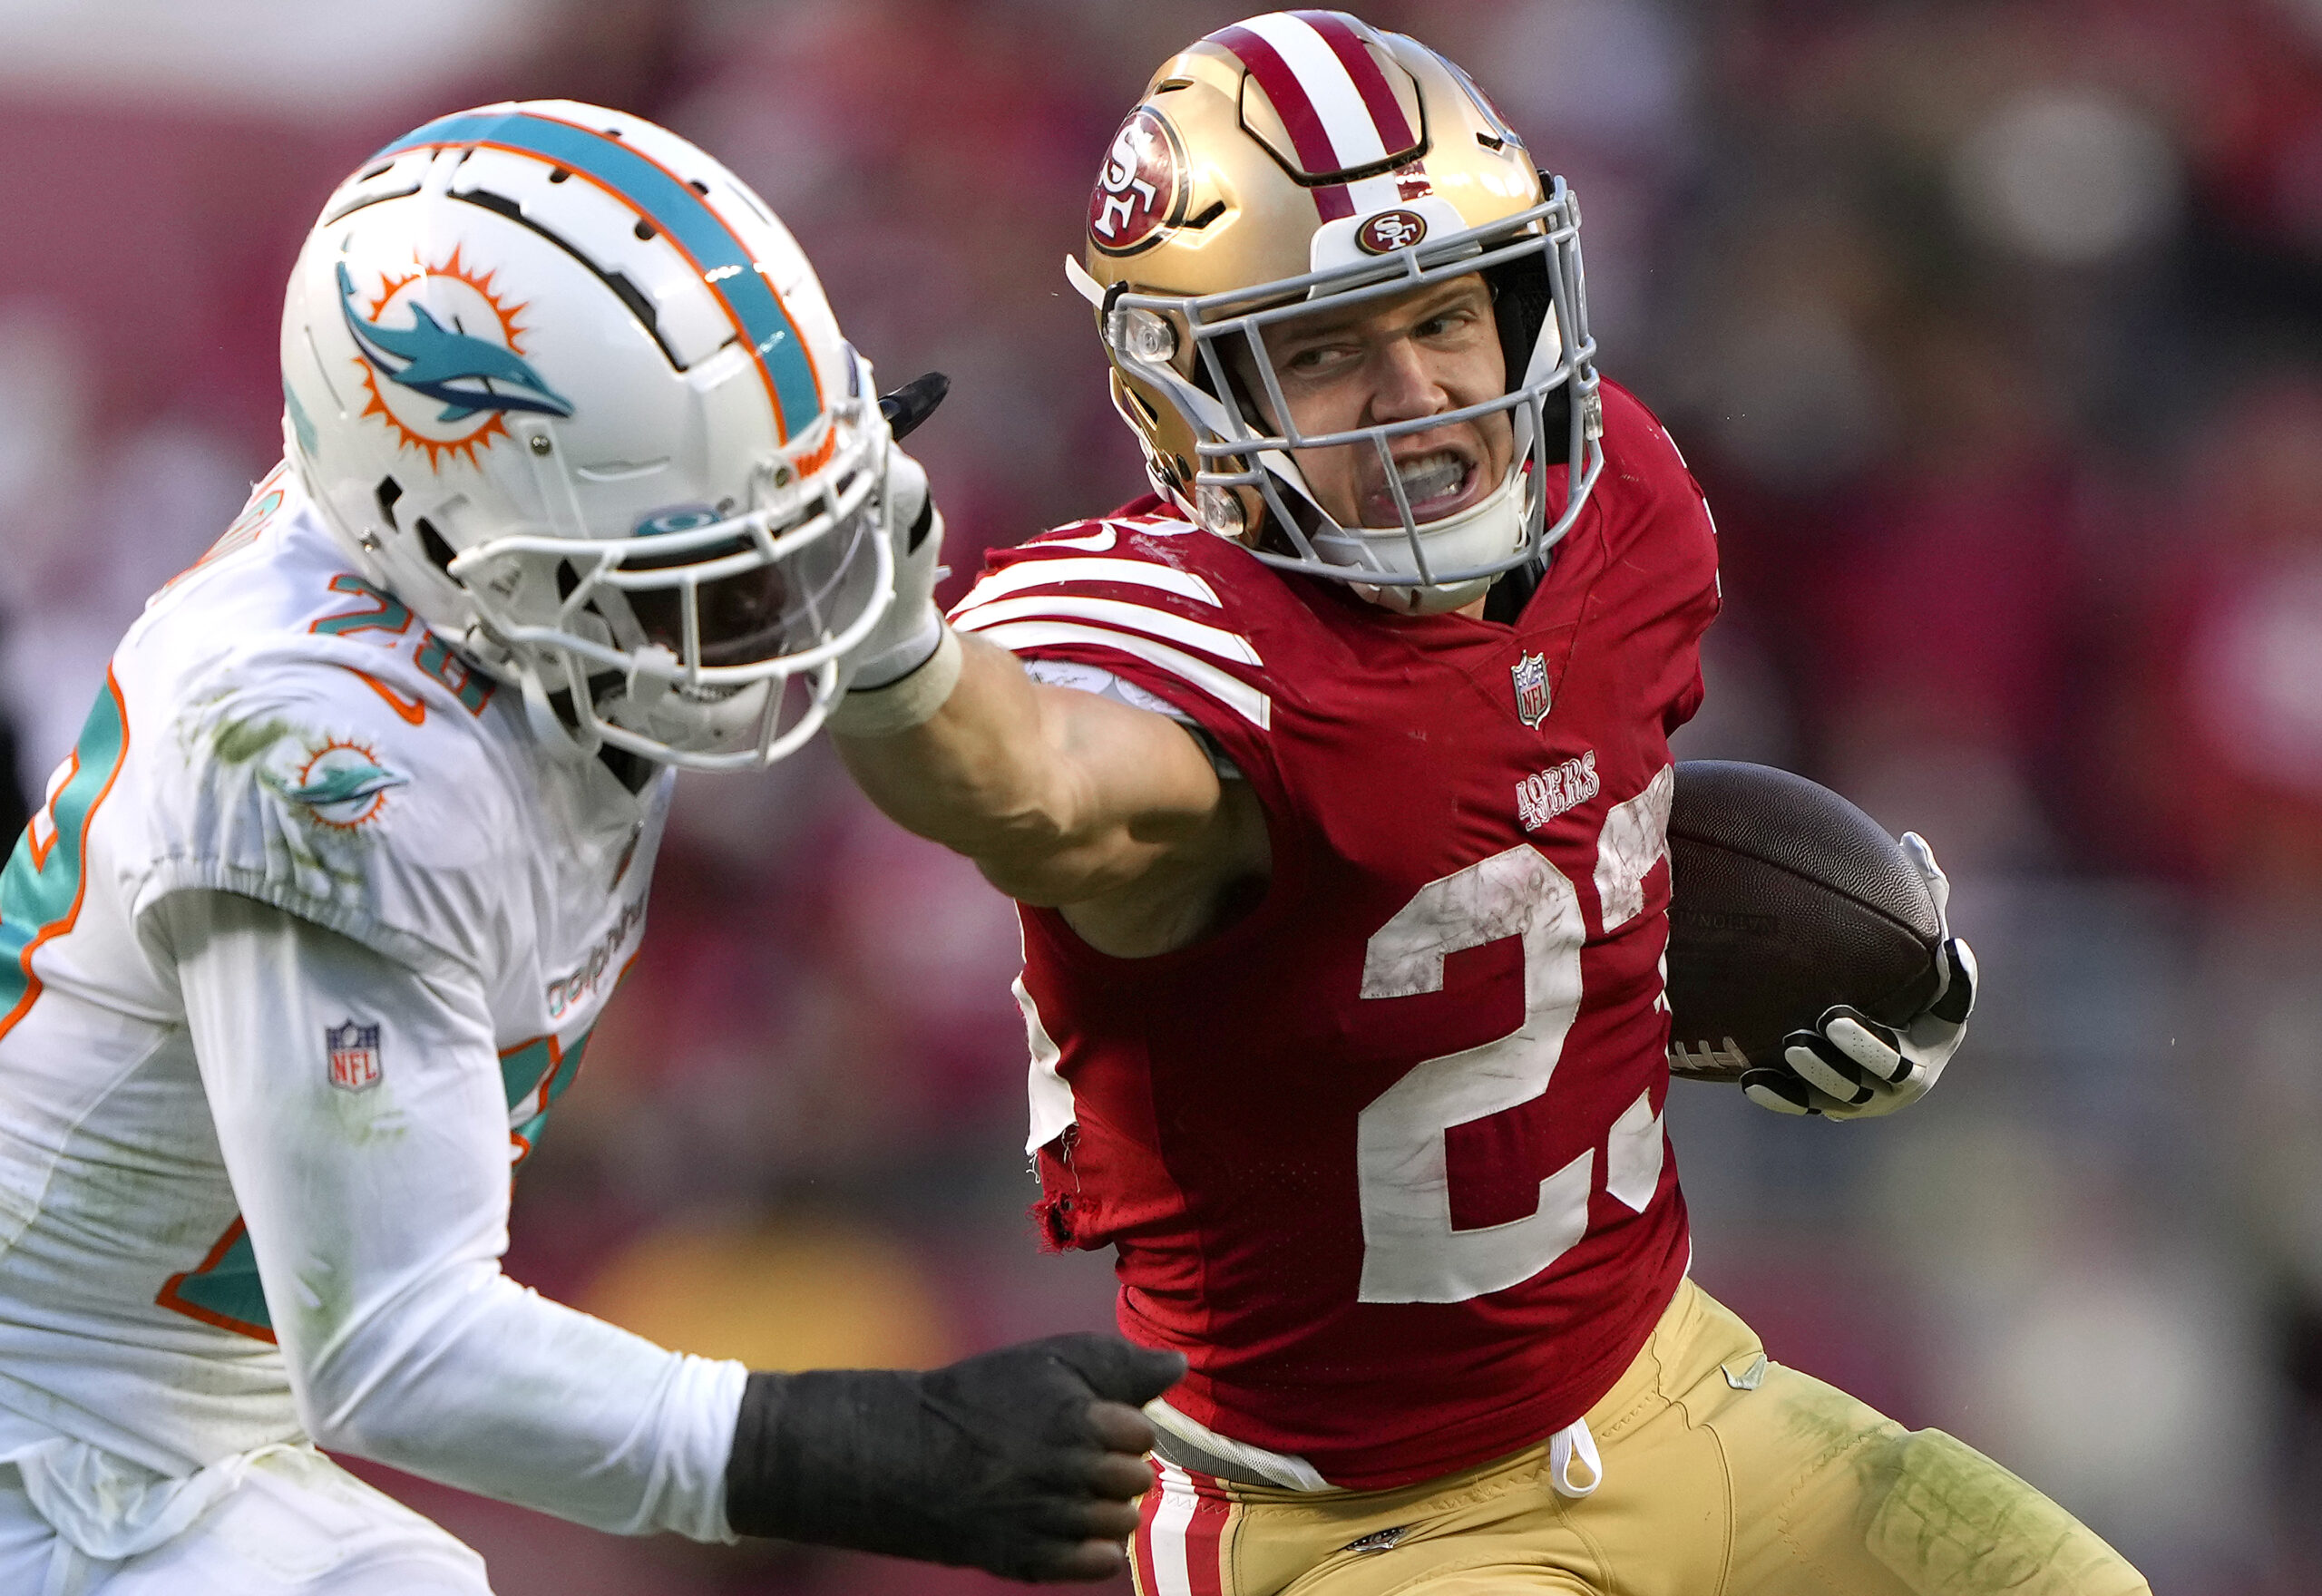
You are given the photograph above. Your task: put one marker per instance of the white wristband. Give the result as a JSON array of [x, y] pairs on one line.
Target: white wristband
[[909, 651], [883, 712]]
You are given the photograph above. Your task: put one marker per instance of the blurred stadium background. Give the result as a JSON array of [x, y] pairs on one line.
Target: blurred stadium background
[[1995, 333]]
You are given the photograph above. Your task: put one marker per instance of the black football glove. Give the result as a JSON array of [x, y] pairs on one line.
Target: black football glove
[[1026, 1462], [1849, 1065]]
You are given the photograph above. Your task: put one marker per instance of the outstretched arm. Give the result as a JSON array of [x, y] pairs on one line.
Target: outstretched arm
[[1059, 795], [1062, 798]]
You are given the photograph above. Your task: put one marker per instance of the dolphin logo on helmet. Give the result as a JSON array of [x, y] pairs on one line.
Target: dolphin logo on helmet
[[453, 368], [700, 383]]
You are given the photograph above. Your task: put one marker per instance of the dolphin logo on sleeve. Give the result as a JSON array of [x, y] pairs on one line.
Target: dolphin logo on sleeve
[[341, 785], [465, 374]]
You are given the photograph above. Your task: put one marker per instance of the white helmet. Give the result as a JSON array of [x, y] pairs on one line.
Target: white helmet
[[565, 386]]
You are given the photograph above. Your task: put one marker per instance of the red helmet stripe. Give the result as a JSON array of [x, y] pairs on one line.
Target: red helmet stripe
[[1291, 101], [1377, 96], [1296, 109]]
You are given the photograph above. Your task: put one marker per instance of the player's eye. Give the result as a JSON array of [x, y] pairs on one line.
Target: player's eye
[[741, 616], [1319, 358]]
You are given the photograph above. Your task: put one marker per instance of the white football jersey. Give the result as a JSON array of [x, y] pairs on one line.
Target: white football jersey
[[276, 727]]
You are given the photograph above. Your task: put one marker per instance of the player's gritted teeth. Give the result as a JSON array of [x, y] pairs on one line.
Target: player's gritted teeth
[[1436, 482]]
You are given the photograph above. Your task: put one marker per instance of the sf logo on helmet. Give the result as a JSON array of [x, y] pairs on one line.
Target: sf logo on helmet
[[1141, 189], [447, 388], [1391, 230]]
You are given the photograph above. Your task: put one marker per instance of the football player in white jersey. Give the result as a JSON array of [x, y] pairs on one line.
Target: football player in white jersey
[[582, 484]]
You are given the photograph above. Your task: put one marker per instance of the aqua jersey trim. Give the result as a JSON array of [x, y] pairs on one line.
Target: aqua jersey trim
[[223, 1290], [671, 205], [538, 1071], [42, 888]]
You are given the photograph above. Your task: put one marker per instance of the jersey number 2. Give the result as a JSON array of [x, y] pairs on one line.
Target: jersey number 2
[[1411, 1252]]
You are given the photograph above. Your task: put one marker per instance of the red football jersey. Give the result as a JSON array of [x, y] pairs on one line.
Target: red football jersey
[[1384, 1158]]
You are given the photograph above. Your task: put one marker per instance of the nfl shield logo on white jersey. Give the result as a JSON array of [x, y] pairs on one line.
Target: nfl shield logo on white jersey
[[354, 1051], [1531, 674]]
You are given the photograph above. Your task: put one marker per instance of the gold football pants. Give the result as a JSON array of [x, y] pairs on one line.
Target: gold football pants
[[1723, 1475]]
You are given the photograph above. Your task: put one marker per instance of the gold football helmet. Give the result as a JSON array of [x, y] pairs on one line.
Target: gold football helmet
[[1303, 162]]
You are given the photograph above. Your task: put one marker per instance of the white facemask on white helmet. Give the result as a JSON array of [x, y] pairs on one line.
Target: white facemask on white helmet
[[564, 385]]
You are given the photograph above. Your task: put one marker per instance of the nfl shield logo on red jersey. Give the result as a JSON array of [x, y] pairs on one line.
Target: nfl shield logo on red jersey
[[1531, 674], [354, 1052]]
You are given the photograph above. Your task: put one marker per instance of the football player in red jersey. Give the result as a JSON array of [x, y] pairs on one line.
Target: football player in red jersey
[[1332, 778]]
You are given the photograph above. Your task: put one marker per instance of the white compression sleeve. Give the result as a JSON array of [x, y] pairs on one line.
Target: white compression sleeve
[[378, 1217]]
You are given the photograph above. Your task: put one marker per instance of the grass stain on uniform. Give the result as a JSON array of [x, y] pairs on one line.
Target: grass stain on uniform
[[1952, 1521], [238, 742], [1939, 1516]]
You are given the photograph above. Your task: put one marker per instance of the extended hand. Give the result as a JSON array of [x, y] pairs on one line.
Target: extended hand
[[1026, 1462], [907, 634], [1849, 1065]]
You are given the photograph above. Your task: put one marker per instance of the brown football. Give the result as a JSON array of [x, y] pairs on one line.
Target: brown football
[[1784, 900]]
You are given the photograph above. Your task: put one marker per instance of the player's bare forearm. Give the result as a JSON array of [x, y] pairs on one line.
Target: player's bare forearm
[[1059, 797]]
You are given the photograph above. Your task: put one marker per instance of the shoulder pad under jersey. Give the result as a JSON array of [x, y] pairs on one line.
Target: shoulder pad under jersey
[[1143, 593], [1643, 466], [298, 738]]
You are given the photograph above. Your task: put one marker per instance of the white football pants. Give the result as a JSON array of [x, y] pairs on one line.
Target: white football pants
[[290, 1522]]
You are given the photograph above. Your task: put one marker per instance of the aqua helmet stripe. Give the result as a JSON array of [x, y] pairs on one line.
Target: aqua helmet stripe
[[670, 206]]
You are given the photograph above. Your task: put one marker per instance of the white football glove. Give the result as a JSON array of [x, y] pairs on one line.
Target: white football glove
[[908, 633], [1850, 1066]]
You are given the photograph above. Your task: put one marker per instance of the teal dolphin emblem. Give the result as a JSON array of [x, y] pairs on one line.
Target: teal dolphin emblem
[[466, 374], [342, 785]]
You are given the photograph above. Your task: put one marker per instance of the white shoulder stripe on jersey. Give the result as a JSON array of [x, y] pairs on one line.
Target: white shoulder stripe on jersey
[[1056, 573], [1243, 699], [1353, 135], [1095, 542], [1160, 623]]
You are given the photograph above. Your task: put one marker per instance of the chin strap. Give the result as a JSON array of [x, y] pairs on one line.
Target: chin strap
[[548, 725], [1497, 523], [1514, 589]]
